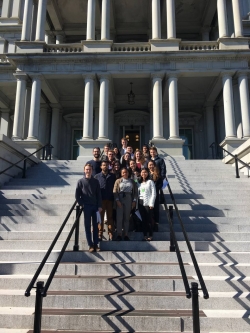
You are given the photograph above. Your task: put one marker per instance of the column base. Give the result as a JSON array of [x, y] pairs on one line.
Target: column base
[[31, 146], [171, 147], [230, 144], [97, 45], [165, 44], [10, 21], [87, 146], [227, 43], [29, 47]]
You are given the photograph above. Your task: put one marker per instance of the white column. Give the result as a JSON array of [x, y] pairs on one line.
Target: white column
[[173, 107], [43, 123], [103, 107], [55, 129], [27, 111], [5, 118], [228, 106], [88, 107], [244, 102], [35, 108], [6, 8], [27, 18], [19, 107], [238, 28], [210, 127], [41, 18], [111, 124], [171, 24], [60, 38], [105, 33], [16, 9], [222, 18], [91, 20], [157, 106], [156, 19]]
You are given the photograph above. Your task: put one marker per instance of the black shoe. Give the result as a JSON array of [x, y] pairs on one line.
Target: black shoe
[[126, 238], [119, 238], [144, 238]]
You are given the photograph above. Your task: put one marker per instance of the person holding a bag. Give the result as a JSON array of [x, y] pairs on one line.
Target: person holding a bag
[[125, 194], [147, 195], [156, 178]]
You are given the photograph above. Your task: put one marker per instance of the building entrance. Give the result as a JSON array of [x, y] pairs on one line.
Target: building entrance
[[187, 135], [77, 135], [133, 135]]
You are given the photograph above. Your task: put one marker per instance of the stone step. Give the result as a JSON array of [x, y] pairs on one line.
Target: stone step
[[115, 257], [131, 283], [128, 321], [125, 301], [126, 269], [134, 236], [221, 246]]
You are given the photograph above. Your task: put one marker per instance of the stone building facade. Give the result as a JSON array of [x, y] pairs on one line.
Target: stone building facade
[[67, 69]]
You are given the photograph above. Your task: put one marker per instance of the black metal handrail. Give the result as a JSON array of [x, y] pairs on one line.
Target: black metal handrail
[[41, 290], [46, 149], [236, 158], [193, 291]]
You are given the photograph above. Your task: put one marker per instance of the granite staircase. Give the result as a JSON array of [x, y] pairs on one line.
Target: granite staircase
[[129, 286]]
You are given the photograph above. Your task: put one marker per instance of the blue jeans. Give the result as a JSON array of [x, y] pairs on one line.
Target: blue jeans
[[90, 212]]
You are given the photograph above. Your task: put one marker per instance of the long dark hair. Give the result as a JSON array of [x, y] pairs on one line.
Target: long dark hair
[[148, 177]]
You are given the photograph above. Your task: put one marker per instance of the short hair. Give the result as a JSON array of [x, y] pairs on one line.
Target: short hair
[[153, 148], [104, 162], [124, 139], [97, 148], [111, 151], [124, 169], [106, 146], [88, 165]]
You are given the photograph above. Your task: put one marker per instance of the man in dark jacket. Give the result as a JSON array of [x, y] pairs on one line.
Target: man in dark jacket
[[106, 181], [96, 162], [159, 162], [88, 195]]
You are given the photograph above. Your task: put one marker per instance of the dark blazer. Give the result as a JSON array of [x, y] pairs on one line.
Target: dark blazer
[[161, 166], [106, 185]]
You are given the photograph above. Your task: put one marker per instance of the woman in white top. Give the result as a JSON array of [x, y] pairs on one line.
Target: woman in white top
[[147, 195]]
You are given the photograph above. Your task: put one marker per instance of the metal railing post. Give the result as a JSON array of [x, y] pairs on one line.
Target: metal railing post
[[43, 157], [236, 166], [24, 168], [195, 307], [171, 213], [38, 307], [76, 245]]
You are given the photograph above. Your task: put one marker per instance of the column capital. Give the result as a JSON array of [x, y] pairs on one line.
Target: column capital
[[172, 75], [227, 74], [21, 76], [89, 76], [104, 76], [36, 76], [55, 106], [242, 74], [157, 75]]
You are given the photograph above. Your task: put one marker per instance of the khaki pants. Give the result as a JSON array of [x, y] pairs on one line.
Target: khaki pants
[[107, 206], [123, 213]]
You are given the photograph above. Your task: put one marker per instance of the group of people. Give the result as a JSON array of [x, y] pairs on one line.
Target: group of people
[[116, 183]]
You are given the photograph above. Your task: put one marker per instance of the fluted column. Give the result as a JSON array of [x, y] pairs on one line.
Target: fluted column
[[156, 19], [103, 107], [91, 20], [238, 28], [55, 128], [173, 107], [88, 107], [17, 133], [157, 105], [228, 106], [5, 118], [27, 18], [41, 18], [35, 108], [244, 102], [27, 111], [171, 24], [105, 33], [222, 18], [6, 8]]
